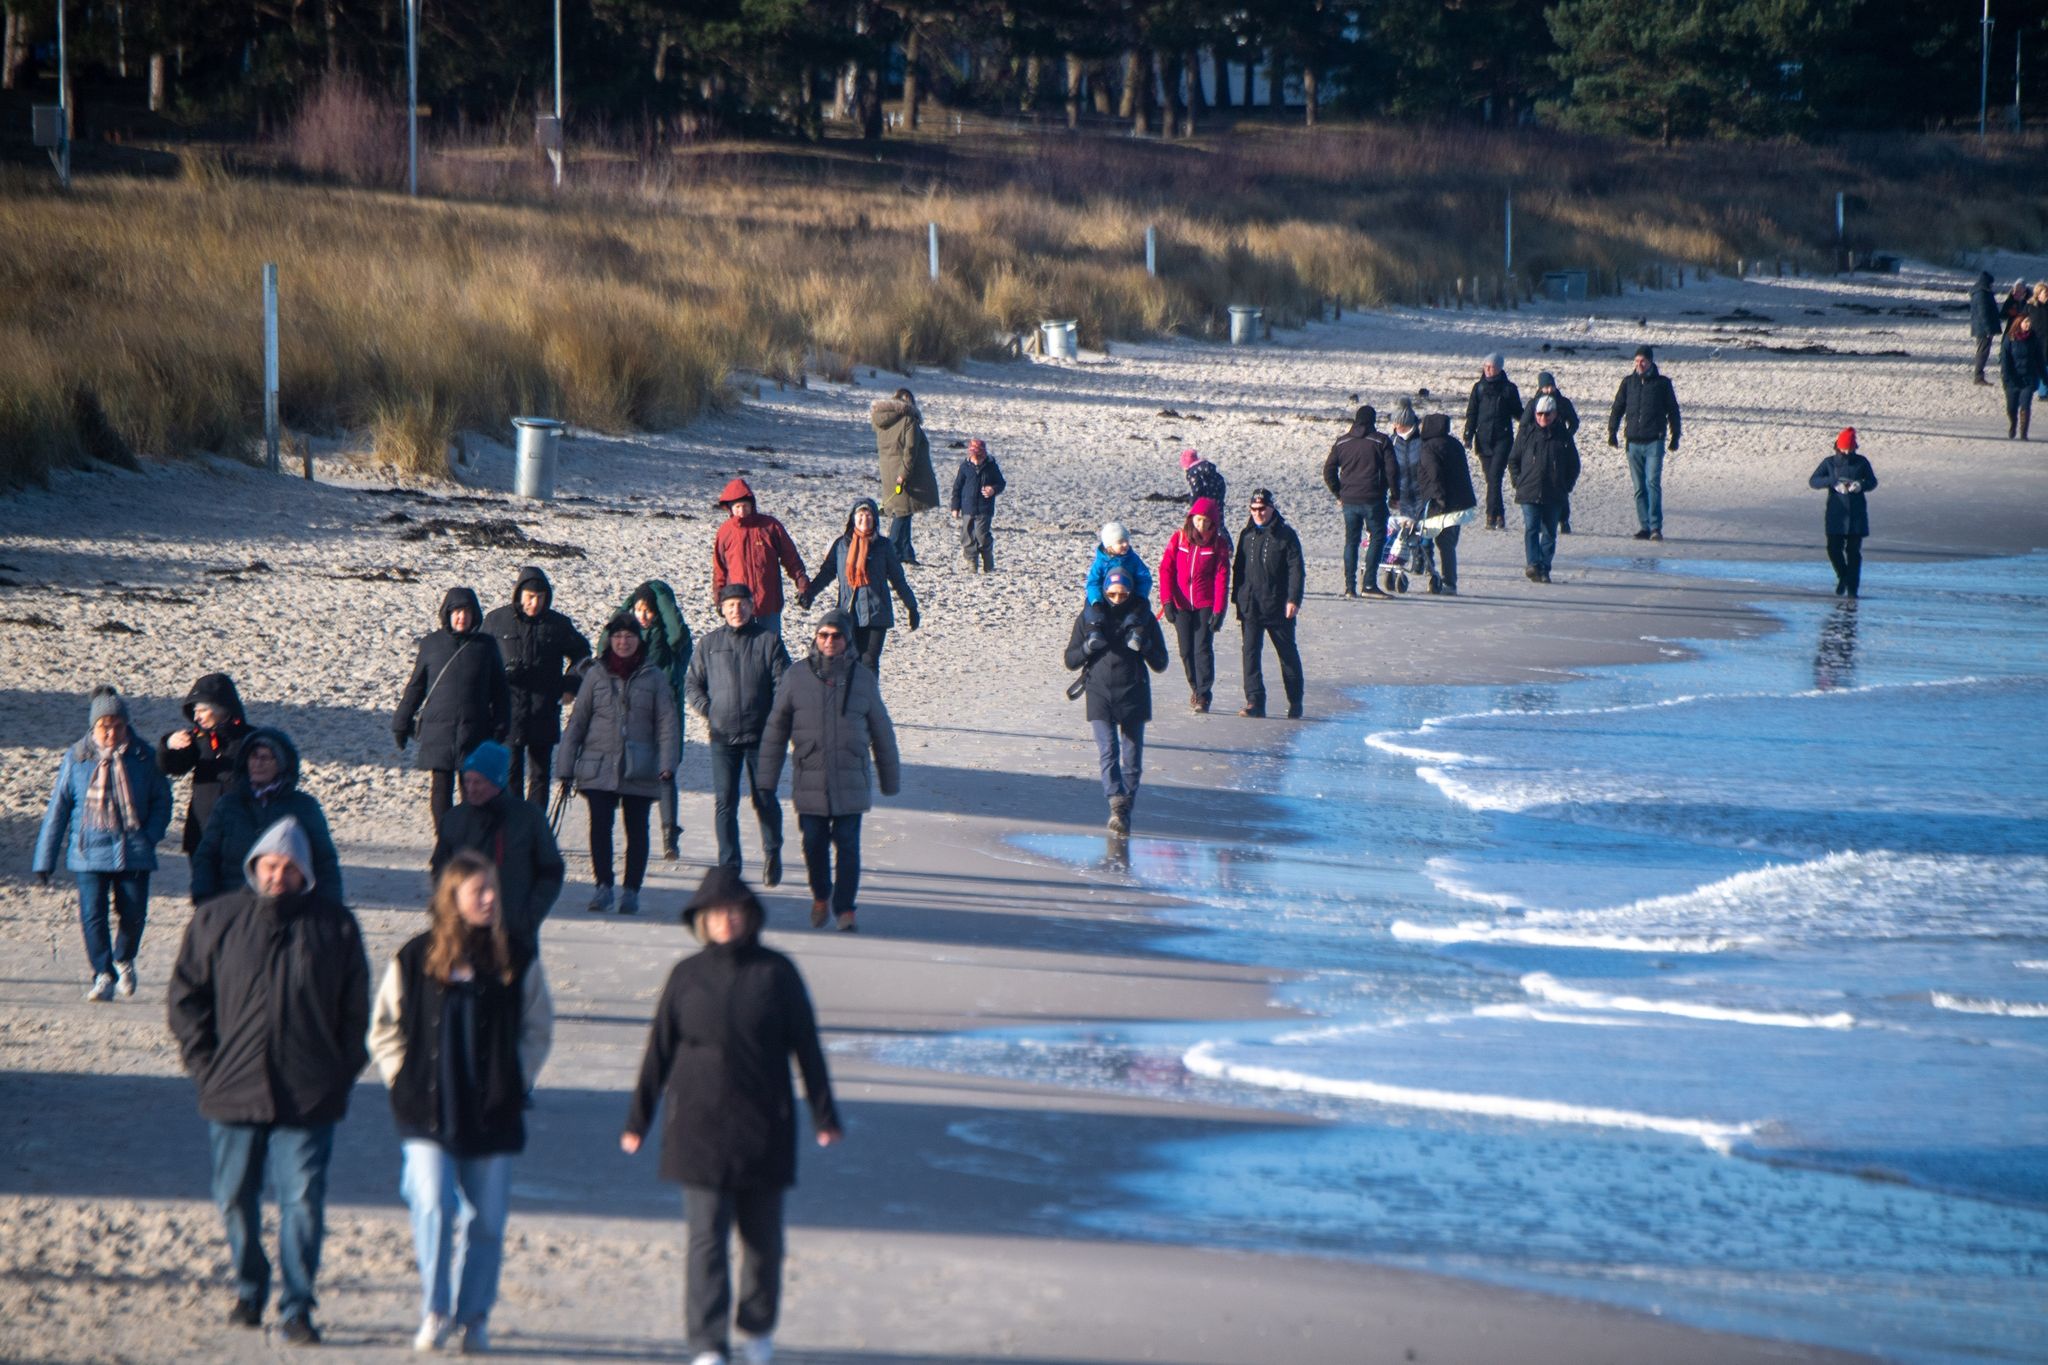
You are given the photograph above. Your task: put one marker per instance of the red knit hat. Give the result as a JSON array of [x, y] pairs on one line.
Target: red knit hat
[[734, 492], [1847, 440]]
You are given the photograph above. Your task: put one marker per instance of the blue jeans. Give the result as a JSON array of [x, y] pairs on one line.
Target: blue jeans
[[899, 536], [1121, 752], [459, 1206], [129, 894], [728, 761], [1539, 532], [1356, 520], [295, 1162], [1646, 473]]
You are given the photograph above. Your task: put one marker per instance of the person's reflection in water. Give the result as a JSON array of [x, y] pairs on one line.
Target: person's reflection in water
[[1116, 853], [1834, 662]]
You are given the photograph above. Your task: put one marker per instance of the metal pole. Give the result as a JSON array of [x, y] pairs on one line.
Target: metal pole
[[932, 237], [412, 97], [1984, 82], [1841, 230], [63, 102], [1151, 250], [1511, 233], [271, 441], [561, 152], [2018, 41]]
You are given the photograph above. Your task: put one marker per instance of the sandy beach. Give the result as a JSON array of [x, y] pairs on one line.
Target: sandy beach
[[949, 1227]]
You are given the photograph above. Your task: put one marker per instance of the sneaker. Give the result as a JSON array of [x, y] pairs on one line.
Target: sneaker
[[1253, 712], [708, 1358], [629, 901], [1533, 574], [102, 987], [433, 1333], [1656, 535], [846, 924], [473, 1339], [754, 1351], [124, 977], [1640, 535], [820, 912], [1294, 713], [299, 1331], [672, 845], [600, 901], [1564, 528], [1543, 575], [1450, 589], [245, 1313], [771, 870]]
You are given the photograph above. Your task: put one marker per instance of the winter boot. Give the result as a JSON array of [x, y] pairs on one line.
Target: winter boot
[[629, 901], [600, 900], [1119, 815]]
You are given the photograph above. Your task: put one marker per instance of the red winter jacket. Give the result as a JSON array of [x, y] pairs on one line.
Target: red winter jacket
[[754, 550], [1194, 576]]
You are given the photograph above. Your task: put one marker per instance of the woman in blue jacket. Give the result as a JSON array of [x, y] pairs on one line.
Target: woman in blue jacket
[[108, 811]]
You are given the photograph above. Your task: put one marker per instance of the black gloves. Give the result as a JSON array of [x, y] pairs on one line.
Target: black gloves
[[43, 879], [1216, 621], [1096, 643], [401, 737], [913, 618], [1611, 441], [1172, 614]]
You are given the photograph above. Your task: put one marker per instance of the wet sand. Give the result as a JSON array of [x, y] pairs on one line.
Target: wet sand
[[944, 1229]]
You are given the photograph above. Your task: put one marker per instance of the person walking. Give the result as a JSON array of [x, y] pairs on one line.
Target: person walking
[[108, 810], [1848, 479], [1113, 550], [1545, 465], [904, 457], [975, 486], [1565, 416], [1194, 588], [1490, 417], [205, 748], [1363, 474], [2015, 304], [456, 698], [1648, 406], [462, 1025], [731, 1019], [829, 709], [270, 1002], [1113, 643], [754, 549], [665, 636], [1204, 479], [538, 645], [1985, 325], [621, 746], [263, 790], [510, 834], [1443, 483], [1405, 440], [731, 684], [866, 568], [1268, 574], [2021, 365]]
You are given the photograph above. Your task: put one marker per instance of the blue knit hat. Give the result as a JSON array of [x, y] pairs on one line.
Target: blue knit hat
[[491, 761]]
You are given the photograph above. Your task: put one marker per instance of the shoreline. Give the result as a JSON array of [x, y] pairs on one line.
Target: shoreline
[[958, 939]]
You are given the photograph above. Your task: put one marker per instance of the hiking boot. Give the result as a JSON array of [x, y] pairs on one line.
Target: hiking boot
[[433, 1333], [1195, 702], [102, 987], [771, 869], [299, 1331], [1253, 712], [600, 900], [124, 977], [1202, 706], [472, 1339], [1643, 534], [820, 911], [245, 1313], [1532, 573], [1119, 815], [629, 901]]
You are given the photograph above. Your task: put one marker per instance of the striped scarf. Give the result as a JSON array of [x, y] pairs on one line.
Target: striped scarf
[[109, 804], [857, 559]]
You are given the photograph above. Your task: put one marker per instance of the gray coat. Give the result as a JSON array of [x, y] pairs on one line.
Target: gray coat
[[623, 734], [831, 714]]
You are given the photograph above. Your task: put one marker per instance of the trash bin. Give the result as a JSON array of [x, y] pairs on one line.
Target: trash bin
[[1059, 339], [538, 439], [1244, 324]]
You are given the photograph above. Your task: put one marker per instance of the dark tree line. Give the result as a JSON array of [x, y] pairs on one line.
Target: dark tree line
[[1654, 68]]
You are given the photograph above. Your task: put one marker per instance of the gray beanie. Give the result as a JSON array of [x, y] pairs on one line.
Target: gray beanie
[[107, 702], [1498, 361], [284, 837], [1546, 404], [1404, 414], [1545, 380]]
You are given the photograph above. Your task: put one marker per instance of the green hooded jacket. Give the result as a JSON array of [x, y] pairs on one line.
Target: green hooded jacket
[[667, 641]]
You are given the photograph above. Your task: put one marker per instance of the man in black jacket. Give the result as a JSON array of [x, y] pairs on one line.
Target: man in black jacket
[[730, 1019], [1490, 416], [270, 1004], [1443, 483], [538, 644], [1545, 465], [731, 684], [1650, 406], [1566, 418], [513, 833], [1362, 473], [1267, 584], [1113, 643], [1984, 320]]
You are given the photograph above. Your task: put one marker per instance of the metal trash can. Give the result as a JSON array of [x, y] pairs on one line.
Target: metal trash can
[[1060, 339], [1566, 286], [1244, 324], [539, 439]]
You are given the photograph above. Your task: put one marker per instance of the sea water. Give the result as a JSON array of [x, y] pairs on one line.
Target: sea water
[[1717, 988]]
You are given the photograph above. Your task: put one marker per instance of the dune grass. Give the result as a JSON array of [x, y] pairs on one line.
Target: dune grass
[[135, 320]]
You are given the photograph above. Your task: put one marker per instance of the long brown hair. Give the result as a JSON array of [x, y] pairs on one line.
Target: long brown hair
[[454, 941]]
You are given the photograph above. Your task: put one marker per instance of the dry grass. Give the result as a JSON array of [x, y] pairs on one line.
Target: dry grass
[[135, 318]]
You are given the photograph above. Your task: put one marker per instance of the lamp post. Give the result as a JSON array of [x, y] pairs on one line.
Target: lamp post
[[1984, 81], [63, 102], [412, 96], [560, 153]]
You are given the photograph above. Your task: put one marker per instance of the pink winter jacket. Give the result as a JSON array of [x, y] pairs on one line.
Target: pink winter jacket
[[1193, 576]]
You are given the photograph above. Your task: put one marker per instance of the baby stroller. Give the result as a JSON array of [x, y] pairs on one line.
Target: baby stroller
[[1411, 552]]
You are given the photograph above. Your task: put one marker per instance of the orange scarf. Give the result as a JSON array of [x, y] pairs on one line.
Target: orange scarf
[[857, 559]]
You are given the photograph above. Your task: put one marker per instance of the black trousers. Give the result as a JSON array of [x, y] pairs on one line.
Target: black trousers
[[440, 795], [710, 1215], [536, 762], [1281, 630], [829, 839], [1983, 356], [635, 808], [1846, 554], [1447, 555], [867, 645], [1197, 632], [1495, 463]]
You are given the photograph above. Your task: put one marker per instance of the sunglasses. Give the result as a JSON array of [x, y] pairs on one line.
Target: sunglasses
[[829, 635]]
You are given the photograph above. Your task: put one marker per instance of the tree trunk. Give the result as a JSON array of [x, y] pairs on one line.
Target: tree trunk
[[121, 38], [1276, 79], [156, 82], [17, 40], [1129, 106], [1075, 69], [912, 47], [664, 41], [1138, 91], [1175, 121], [1198, 99], [1104, 87], [1308, 92], [868, 104], [331, 21], [1034, 75]]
